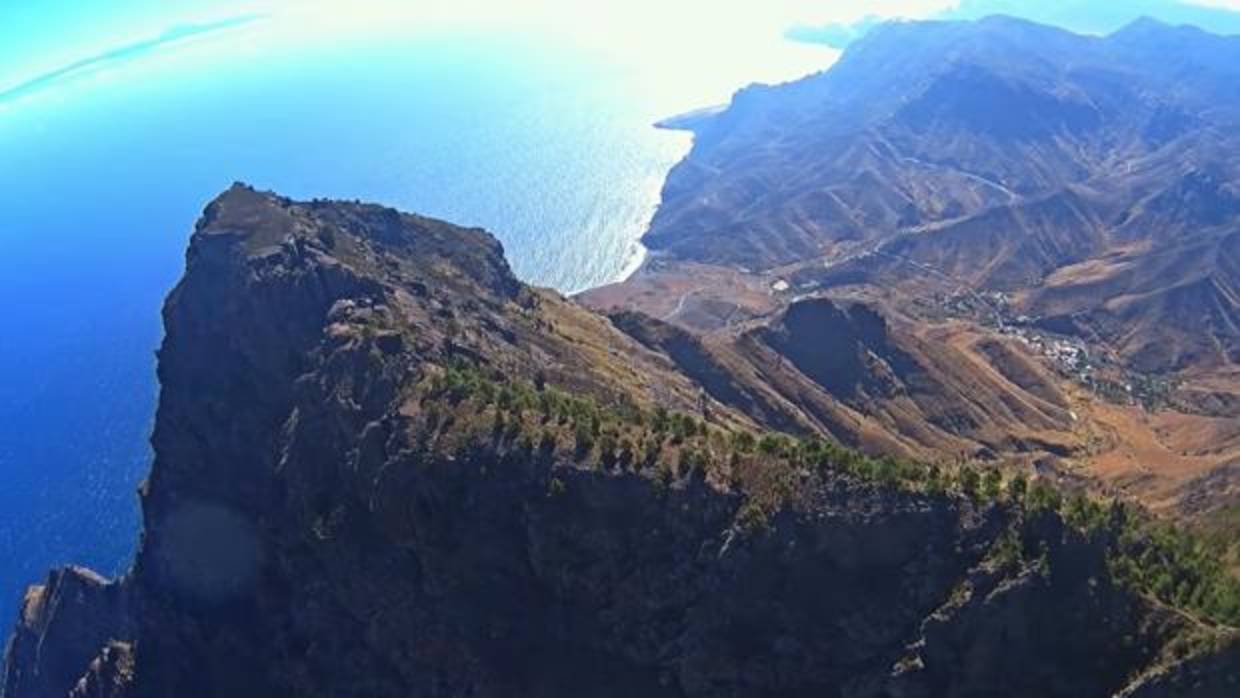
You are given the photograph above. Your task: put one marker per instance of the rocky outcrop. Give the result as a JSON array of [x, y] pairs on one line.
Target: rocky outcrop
[[1212, 675], [64, 623], [847, 350], [330, 514], [109, 675]]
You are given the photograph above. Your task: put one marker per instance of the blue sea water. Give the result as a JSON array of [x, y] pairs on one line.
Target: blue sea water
[[104, 168]]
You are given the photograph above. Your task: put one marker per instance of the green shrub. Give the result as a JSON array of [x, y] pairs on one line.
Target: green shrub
[[970, 481], [1016, 489], [1182, 569], [1043, 497], [743, 441], [992, 484], [584, 438]]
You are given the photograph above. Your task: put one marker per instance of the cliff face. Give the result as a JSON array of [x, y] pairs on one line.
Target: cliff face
[[63, 626], [386, 468]]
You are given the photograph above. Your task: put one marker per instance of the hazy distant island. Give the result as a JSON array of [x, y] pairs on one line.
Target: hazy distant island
[[690, 119]]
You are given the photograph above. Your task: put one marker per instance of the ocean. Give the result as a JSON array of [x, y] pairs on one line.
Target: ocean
[[105, 167]]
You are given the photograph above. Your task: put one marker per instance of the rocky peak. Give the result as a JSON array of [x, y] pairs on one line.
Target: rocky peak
[[845, 348], [375, 241]]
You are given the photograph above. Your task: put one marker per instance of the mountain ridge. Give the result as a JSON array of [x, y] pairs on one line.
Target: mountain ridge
[[384, 467], [996, 180]]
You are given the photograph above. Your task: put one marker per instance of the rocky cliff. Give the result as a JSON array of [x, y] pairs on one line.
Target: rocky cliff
[[384, 467]]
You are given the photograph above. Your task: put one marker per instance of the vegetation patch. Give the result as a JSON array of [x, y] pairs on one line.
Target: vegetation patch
[[466, 405]]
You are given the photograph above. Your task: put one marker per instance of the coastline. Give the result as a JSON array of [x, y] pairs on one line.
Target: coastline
[[636, 260], [637, 254]]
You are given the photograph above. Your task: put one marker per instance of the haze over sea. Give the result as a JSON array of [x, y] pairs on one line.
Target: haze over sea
[[112, 141]]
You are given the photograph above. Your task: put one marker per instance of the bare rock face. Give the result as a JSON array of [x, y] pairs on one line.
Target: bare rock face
[[314, 527], [63, 624], [109, 675]]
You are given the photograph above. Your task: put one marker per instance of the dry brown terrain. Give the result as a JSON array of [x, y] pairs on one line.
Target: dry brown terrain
[[1048, 226], [1014, 404]]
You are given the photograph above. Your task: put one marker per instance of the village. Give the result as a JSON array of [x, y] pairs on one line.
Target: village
[[1070, 355]]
